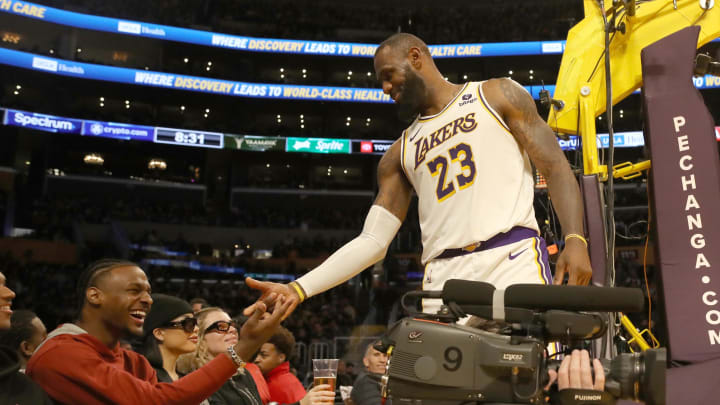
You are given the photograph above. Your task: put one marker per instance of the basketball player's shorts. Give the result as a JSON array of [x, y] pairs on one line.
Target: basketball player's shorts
[[518, 256]]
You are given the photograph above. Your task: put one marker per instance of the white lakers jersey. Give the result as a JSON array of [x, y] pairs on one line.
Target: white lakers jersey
[[472, 178]]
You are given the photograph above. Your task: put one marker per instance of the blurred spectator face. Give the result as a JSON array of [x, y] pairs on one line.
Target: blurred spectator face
[[220, 332], [6, 297], [176, 338], [374, 360], [123, 296], [269, 357], [39, 334], [198, 304]]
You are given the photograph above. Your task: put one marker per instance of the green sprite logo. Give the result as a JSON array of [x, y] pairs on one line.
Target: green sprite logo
[[318, 145]]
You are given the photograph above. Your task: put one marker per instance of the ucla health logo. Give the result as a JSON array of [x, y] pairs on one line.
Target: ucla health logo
[[129, 27], [45, 64]]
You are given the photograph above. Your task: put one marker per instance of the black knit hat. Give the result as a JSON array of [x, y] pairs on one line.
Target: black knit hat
[[164, 309]]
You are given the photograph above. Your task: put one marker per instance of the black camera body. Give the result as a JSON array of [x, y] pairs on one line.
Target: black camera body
[[432, 357], [432, 360]]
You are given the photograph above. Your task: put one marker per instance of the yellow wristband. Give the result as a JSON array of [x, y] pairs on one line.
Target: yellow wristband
[[576, 236], [298, 290]]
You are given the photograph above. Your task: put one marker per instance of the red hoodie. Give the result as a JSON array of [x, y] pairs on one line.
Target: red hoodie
[[74, 367], [284, 387], [260, 382]]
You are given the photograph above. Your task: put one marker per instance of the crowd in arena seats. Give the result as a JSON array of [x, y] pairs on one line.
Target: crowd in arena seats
[[323, 20], [319, 319], [49, 289], [55, 219], [53, 215], [3, 205]]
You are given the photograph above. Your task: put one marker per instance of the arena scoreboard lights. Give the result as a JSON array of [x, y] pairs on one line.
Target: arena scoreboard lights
[[253, 143], [187, 137]]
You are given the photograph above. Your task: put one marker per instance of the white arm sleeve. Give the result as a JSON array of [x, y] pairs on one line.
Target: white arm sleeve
[[355, 256]]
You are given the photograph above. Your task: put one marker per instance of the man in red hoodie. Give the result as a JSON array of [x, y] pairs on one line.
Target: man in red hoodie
[[273, 361], [82, 363]]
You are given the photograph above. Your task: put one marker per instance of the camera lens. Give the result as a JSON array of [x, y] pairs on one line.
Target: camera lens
[[638, 376]]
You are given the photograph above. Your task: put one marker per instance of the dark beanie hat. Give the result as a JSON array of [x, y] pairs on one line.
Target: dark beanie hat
[[164, 309]]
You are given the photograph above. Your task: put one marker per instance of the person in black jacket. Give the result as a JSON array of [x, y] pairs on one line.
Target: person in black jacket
[[16, 387], [247, 386], [170, 330], [366, 390]]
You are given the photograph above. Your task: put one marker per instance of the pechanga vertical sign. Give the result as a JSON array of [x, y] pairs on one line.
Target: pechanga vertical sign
[[686, 196], [317, 145]]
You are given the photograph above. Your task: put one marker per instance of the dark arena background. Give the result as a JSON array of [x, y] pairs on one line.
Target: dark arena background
[[210, 140]]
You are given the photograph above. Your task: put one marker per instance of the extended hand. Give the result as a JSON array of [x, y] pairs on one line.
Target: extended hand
[[261, 325], [271, 292], [574, 261]]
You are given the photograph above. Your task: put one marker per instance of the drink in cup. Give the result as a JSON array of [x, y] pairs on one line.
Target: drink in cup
[[325, 372]]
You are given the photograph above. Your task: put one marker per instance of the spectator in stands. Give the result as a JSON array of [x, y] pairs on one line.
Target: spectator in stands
[[170, 330], [247, 386], [350, 370], [217, 332], [16, 387], [82, 363], [274, 362], [343, 377], [366, 390], [26, 333], [197, 304]]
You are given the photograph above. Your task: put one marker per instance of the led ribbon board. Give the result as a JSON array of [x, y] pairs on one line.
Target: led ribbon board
[[256, 143], [82, 70], [253, 44], [190, 83], [42, 122]]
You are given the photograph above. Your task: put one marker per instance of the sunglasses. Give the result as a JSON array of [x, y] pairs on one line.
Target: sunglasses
[[221, 326], [187, 324]]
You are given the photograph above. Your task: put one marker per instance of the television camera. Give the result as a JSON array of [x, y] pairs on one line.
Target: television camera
[[433, 358]]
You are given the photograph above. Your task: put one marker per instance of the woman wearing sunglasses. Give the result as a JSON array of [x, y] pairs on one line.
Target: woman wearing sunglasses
[[248, 386], [170, 330]]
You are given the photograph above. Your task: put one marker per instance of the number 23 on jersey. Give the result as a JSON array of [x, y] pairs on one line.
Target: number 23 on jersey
[[461, 153]]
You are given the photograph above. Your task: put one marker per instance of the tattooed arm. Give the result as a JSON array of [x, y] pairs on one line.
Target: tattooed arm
[[518, 110]]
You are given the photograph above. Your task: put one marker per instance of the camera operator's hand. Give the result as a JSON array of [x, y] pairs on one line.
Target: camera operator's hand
[[574, 372]]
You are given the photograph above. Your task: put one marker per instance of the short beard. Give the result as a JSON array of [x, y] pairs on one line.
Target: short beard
[[411, 99]]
